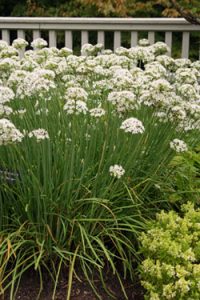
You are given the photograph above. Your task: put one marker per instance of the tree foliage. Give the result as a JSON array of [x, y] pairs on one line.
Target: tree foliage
[[190, 9]]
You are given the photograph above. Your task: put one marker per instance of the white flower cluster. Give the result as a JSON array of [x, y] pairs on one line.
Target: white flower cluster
[[178, 145], [5, 110], [75, 107], [38, 82], [124, 101], [76, 93], [9, 134], [40, 134], [6, 94], [97, 112], [88, 49], [38, 43], [3, 45], [116, 171], [75, 101], [133, 126], [19, 43], [124, 82]]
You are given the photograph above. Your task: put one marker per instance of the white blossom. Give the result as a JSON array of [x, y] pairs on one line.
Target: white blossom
[[123, 100], [6, 94], [9, 133], [19, 43], [178, 145], [75, 107], [116, 171], [133, 126], [76, 93], [97, 112], [40, 134], [38, 43]]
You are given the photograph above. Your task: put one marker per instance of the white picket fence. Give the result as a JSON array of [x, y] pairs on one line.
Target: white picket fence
[[100, 25]]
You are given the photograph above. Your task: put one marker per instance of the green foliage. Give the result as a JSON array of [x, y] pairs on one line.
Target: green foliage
[[183, 183], [171, 249], [92, 8]]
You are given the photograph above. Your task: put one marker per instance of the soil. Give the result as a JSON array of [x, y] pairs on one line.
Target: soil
[[81, 290]]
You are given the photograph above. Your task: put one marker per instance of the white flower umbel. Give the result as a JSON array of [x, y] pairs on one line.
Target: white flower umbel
[[40, 134], [6, 94], [19, 43], [143, 42], [39, 43], [132, 125], [5, 110], [116, 171], [123, 100], [9, 134], [3, 45], [76, 93], [178, 145], [64, 52], [75, 107], [97, 112]]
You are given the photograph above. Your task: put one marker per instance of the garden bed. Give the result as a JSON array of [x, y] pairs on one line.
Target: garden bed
[[81, 290], [93, 149]]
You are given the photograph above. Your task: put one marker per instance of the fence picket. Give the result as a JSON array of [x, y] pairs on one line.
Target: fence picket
[[68, 39], [6, 36], [84, 37], [36, 34], [185, 45], [134, 38], [52, 38], [21, 34], [151, 37], [101, 38], [168, 41], [117, 39]]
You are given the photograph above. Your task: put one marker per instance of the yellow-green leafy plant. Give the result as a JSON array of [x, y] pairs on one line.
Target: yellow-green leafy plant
[[171, 250]]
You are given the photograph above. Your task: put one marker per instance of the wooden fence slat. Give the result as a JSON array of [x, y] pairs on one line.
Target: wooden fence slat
[[134, 38], [6, 36], [117, 39], [185, 44], [68, 39], [52, 38], [21, 34], [101, 38], [84, 37], [168, 41], [36, 34], [151, 37]]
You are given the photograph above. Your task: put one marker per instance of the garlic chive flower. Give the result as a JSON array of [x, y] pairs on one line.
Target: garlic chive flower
[[9, 134], [19, 43], [75, 107], [40, 134], [116, 171], [39, 43], [6, 94], [97, 112], [3, 45], [132, 125], [76, 93], [178, 145]]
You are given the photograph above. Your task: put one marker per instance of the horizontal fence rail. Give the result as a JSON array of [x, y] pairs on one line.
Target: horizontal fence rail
[[12, 27]]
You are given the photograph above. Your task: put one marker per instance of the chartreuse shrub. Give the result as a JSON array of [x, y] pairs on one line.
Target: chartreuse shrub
[[171, 250], [83, 141]]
